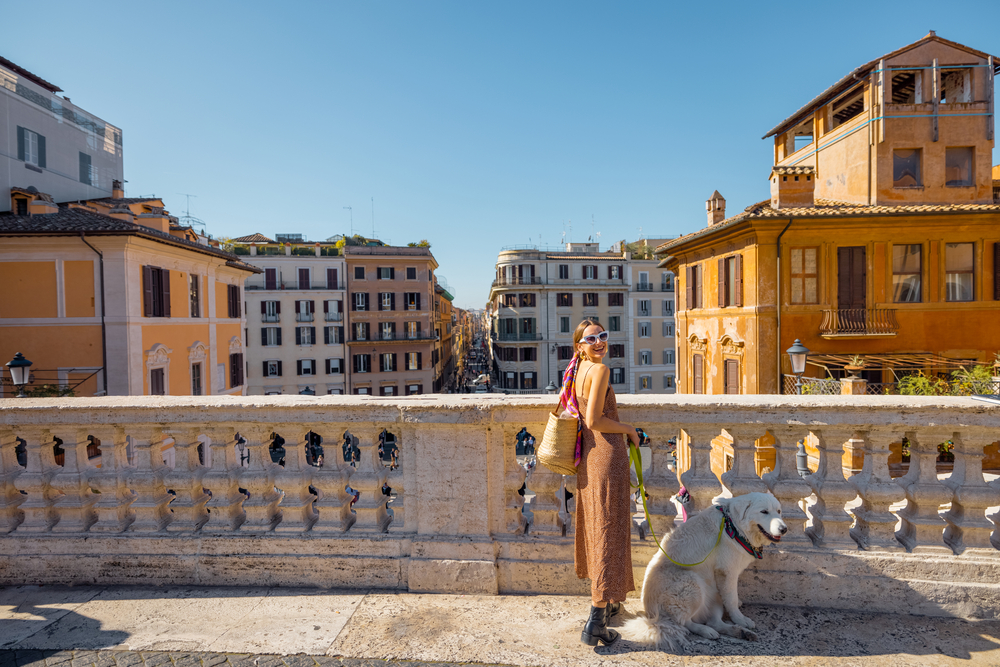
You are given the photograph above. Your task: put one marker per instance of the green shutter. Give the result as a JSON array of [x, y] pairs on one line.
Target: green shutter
[[41, 151], [85, 168], [20, 143]]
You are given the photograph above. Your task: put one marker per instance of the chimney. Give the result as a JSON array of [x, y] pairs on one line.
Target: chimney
[[117, 189], [122, 212], [716, 207], [793, 187], [42, 207]]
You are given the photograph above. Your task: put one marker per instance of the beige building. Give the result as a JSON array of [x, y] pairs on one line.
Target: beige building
[[295, 316], [653, 368]]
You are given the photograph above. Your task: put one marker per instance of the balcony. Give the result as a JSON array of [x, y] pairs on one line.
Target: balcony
[[666, 287], [186, 482], [256, 284], [333, 317], [858, 322], [508, 282], [304, 317], [270, 317], [644, 287], [519, 336], [394, 338]]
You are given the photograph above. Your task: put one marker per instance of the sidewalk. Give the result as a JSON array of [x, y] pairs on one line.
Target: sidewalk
[[261, 627]]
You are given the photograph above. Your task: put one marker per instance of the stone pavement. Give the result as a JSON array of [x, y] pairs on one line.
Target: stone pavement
[[281, 627]]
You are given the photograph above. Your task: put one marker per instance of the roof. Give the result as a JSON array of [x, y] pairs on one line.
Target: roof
[[73, 220], [825, 208], [115, 201], [604, 257], [37, 80], [786, 171], [256, 237], [854, 77]]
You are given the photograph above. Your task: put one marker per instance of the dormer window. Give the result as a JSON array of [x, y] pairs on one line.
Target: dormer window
[[21, 206]]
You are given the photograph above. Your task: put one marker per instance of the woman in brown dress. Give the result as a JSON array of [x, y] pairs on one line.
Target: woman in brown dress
[[603, 521]]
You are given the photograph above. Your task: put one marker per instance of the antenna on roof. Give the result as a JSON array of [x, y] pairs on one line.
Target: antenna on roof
[[187, 218], [373, 217], [352, 218]]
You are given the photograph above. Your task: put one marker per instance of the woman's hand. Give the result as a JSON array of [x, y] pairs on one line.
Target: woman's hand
[[633, 436]]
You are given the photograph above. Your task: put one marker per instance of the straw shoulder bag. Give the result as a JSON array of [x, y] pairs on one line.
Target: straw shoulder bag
[[557, 452]]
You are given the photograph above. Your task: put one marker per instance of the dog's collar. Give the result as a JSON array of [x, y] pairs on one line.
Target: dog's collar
[[733, 532]]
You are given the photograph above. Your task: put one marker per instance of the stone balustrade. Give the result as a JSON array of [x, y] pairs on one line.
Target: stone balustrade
[[292, 490]]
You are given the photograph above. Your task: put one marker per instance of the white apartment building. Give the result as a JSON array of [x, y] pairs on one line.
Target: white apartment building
[[295, 316], [651, 310], [49, 144]]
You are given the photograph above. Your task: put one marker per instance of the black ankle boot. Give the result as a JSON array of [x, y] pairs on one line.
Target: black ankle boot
[[614, 608], [596, 630]]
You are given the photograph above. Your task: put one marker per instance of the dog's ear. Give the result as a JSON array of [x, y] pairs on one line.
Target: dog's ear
[[740, 506]]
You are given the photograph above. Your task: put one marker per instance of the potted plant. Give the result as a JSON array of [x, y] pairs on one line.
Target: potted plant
[[856, 363]]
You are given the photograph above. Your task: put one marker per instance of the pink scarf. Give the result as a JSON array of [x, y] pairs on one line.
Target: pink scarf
[[567, 399]]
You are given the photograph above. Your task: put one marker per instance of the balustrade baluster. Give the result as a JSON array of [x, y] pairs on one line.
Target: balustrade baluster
[[545, 506], [742, 477], [699, 480], [660, 481], [396, 479], [968, 527], [922, 526], [10, 469], [39, 496], [113, 506], [257, 477], [333, 504], [830, 524], [368, 480], [187, 481], [152, 513], [786, 484], [225, 508], [297, 506], [516, 477], [876, 525], [76, 500]]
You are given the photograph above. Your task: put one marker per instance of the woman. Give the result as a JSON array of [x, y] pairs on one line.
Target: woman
[[603, 521]]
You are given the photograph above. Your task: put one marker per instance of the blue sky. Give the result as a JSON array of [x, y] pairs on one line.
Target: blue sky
[[473, 125]]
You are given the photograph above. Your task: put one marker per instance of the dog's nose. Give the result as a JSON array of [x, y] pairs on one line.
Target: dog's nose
[[784, 529]]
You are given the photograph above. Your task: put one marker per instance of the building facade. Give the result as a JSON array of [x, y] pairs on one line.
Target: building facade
[[296, 318], [652, 347]]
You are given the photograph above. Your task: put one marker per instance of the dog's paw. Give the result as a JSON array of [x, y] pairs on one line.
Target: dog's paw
[[744, 622], [749, 635]]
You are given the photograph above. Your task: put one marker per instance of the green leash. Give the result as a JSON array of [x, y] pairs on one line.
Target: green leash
[[636, 458]]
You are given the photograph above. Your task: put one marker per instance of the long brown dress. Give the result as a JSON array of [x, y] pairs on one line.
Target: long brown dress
[[603, 521]]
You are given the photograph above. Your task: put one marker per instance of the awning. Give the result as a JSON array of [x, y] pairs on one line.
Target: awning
[[910, 361]]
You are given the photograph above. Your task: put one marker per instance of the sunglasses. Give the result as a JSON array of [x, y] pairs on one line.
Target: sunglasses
[[593, 338]]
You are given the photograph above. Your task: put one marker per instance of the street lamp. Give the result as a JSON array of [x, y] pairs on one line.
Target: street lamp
[[18, 367], [797, 353], [551, 387]]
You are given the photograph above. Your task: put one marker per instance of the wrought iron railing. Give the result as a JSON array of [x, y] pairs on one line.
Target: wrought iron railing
[[859, 322]]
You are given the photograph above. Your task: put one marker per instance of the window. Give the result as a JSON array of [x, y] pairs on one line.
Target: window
[[645, 358], [668, 381], [333, 335], [731, 281], [668, 330], [529, 354], [731, 377], [412, 329], [270, 336], [413, 389], [528, 381], [804, 275], [958, 266], [156, 292], [236, 370], [564, 272], [526, 300], [235, 302], [387, 301], [644, 329], [359, 273], [644, 280], [668, 356], [331, 279], [306, 366], [906, 88], [956, 86], [590, 299], [527, 326], [564, 299], [645, 382], [616, 351], [361, 391], [87, 173], [906, 267], [614, 272], [667, 282], [411, 301], [617, 376], [333, 310], [958, 167], [270, 279], [563, 325], [360, 301], [196, 380], [386, 273], [387, 390], [644, 307], [21, 206], [848, 107], [411, 273], [270, 311], [30, 147], [414, 361], [698, 373], [156, 386], [304, 282], [361, 330], [508, 354], [906, 168], [589, 272], [565, 352], [305, 335], [692, 287], [388, 362], [387, 330], [195, 297], [334, 366], [272, 369], [508, 300], [614, 323], [304, 310], [335, 391], [668, 307], [362, 363], [616, 299]]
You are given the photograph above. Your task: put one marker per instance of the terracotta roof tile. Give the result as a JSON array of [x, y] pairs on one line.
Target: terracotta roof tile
[[780, 171], [253, 238]]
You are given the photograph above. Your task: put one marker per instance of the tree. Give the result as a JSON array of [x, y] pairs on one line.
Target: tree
[[422, 244]]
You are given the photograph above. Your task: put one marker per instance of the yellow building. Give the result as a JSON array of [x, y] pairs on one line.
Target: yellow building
[[112, 296]]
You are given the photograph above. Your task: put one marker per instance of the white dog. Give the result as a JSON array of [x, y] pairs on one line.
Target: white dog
[[678, 600]]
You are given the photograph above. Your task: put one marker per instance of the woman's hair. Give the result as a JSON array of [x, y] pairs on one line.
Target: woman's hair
[[578, 334]]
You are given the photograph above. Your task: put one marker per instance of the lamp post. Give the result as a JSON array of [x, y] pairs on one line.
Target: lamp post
[[18, 367], [797, 353], [551, 387]]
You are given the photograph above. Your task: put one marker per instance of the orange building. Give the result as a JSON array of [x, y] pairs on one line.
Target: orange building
[[111, 296]]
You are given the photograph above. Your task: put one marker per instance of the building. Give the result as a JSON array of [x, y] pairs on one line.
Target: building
[[391, 320], [881, 236], [295, 315], [443, 356], [112, 296], [50, 144], [652, 347]]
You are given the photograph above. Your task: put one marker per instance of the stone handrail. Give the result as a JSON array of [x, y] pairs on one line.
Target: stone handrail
[[185, 491]]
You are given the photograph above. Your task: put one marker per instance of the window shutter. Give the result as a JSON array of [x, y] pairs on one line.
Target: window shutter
[[41, 151], [418, 301], [263, 335], [354, 363], [263, 308], [340, 306], [996, 271], [326, 338], [312, 334], [354, 301], [298, 335], [392, 273], [331, 278], [165, 281], [420, 361], [298, 367], [609, 272], [20, 143], [279, 368], [279, 335], [722, 285], [699, 278], [85, 168], [696, 365], [418, 329], [264, 371], [147, 289], [394, 361], [277, 307], [340, 334], [326, 306], [739, 280], [392, 328], [312, 307], [367, 303], [392, 302], [688, 291], [380, 301], [327, 366]]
